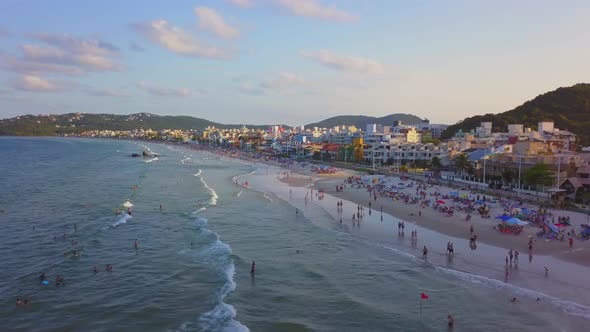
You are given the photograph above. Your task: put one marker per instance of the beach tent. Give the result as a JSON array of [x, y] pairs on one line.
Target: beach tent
[[553, 228], [440, 201], [127, 204], [516, 221], [454, 193], [504, 217]]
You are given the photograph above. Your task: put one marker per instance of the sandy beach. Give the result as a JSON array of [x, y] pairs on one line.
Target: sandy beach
[[456, 226]]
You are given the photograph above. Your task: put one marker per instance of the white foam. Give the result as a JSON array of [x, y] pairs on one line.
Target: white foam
[[238, 194], [122, 219], [214, 197], [568, 307], [151, 160], [199, 210], [221, 317], [199, 172]]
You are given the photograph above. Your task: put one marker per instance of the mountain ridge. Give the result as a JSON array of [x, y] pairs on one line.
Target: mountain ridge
[[361, 121], [567, 107]]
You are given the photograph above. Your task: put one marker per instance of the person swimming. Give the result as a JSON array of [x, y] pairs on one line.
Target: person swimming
[[253, 268]]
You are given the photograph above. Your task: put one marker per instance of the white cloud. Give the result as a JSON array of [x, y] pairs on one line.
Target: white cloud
[[314, 9], [211, 21], [283, 81], [162, 91], [136, 47], [345, 62], [107, 93], [242, 3], [36, 84], [177, 40], [64, 54]]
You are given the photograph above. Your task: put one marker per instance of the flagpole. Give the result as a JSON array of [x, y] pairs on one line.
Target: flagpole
[[421, 307]]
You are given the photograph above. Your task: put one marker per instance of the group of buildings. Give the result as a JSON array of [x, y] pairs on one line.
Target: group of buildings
[[494, 158]]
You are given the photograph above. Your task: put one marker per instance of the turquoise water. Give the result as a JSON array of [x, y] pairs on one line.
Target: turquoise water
[[191, 270]]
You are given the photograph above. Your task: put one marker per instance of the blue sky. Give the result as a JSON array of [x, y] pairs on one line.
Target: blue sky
[[287, 61]]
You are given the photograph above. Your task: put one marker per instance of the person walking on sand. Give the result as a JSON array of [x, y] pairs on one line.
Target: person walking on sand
[[424, 253], [571, 241], [516, 253], [511, 255]]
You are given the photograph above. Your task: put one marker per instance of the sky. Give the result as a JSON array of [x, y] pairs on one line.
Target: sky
[[288, 61]]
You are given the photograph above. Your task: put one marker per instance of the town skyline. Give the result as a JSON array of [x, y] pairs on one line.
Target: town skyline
[[286, 61]]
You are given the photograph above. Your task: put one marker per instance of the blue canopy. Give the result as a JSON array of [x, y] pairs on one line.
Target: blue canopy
[[516, 221], [504, 217]]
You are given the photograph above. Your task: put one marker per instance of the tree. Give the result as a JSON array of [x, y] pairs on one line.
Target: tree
[[436, 165], [507, 176], [538, 175], [461, 164]]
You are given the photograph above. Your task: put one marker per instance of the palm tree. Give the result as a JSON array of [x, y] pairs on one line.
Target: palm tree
[[461, 163], [436, 165], [538, 175], [508, 176]]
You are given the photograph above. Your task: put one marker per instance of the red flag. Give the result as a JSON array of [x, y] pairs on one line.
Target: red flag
[[424, 296]]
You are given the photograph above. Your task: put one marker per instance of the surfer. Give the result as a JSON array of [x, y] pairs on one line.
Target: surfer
[[253, 268]]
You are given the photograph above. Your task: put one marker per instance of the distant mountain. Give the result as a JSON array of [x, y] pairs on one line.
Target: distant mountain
[[51, 125], [568, 107], [361, 121]]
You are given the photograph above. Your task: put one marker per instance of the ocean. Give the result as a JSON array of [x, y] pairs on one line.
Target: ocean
[[191, 270]]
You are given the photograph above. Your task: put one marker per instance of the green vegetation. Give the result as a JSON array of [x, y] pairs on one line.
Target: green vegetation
[[73, 123], [538, 175], [361, 121], [568, 107]]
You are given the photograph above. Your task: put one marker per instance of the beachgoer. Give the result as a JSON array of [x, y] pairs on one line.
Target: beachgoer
[[571, 241], [471, 229], [403, 226], [296, 211], [42, 277], [450, 320], [424, 253], [516, 253], [506, 260], [75, 227], [18, 302], [511, 255], [513, 300], [546, 272], [95, 269], [135, 244], [253, 268]]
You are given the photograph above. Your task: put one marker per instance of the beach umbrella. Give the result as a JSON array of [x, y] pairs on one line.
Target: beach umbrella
[[516, 221], [440, 201], [479, 202], [504, 217], [127, 204]]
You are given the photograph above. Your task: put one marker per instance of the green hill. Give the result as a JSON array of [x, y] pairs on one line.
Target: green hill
[[50, 125], [361, 121], [568, 107]]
